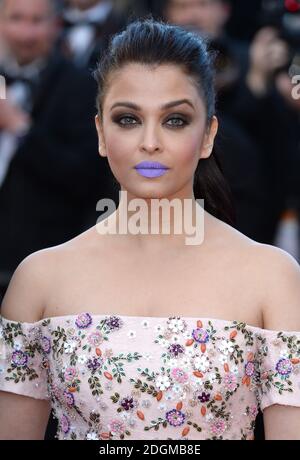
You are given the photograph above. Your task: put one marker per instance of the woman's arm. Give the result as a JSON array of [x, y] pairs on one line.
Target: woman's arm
[[281, 312], [23, 416]]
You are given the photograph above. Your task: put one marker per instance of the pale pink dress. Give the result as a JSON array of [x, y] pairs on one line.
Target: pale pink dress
[[129, 377]]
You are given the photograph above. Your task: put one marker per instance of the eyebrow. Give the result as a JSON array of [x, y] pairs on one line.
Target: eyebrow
[[169, 105]]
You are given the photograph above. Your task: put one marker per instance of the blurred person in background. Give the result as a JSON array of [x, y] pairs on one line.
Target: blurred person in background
[[50, 174], [254, 133], [88, 25], [269, 111]]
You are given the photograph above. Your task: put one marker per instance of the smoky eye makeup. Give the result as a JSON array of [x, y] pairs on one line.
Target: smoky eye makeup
[[125, 119], [175, 120]]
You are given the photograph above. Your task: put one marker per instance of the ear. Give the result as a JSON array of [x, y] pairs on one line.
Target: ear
[[209, 138], [100, 136]]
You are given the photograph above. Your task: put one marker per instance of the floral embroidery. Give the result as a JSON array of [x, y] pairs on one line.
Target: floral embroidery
[[175, 417], [84, 320], [19, 359], [187, 379], [65, 424], [278, 375]]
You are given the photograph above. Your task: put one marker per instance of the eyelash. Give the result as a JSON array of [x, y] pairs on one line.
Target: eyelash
[[125, 125]]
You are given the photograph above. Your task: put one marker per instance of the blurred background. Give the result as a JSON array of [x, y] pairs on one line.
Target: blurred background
[[51, 175]]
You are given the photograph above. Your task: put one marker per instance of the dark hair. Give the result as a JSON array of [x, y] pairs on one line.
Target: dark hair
[[154, 42]]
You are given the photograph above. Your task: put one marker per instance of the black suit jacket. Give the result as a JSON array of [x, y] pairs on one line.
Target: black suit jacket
[[56, 177], [114, 23]]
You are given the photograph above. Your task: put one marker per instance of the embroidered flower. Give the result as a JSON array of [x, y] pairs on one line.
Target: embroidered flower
[[225, 347], [113, 323], [94, 364], [176, 325], [159, 329], [46, 344], [175, 349], [82, 359], [217, 427], [65, 424], [108, 353], [179, 375], [128, 403], [200, 335], [162, 382], [70, 347], [201, 363], [95, 339], [145, 324], [83, 321], [203, 397], [284, 367], [116, 427], [19, 358], [249, 368], [69, 398], [70, 374], [175, 417], [230, 381]]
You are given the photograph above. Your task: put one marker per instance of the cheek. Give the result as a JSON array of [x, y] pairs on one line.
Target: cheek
[[187, 151], [119, 149]]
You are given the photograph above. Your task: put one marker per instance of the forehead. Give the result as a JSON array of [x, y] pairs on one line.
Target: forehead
[[153, 85]]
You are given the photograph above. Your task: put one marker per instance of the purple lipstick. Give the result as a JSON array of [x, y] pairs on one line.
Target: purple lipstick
[[151, 169]]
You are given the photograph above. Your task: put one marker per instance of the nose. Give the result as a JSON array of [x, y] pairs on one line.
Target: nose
[[150, 142]]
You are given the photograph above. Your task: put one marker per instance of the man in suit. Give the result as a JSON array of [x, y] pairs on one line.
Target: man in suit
[[51, 175], [88, 26]]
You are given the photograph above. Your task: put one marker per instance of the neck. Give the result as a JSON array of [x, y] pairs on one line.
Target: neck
[[177, 220]]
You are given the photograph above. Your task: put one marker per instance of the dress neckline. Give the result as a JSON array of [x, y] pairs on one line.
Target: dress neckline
[[139, 318], [152, 318]]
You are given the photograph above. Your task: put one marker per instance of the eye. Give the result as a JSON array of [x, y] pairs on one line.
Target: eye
[[180, 122], [125, 120]]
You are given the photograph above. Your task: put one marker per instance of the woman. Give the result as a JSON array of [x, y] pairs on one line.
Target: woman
[[143, 336]]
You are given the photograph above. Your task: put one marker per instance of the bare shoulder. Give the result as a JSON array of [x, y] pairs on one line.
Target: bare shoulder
[[26, 292], [275, 276], [279, 273], [272, 274], [33, 280]]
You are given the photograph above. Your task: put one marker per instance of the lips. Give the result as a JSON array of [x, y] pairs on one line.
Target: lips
[[151, 165]]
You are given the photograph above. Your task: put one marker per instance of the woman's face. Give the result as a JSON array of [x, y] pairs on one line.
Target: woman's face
[[136, 127]]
